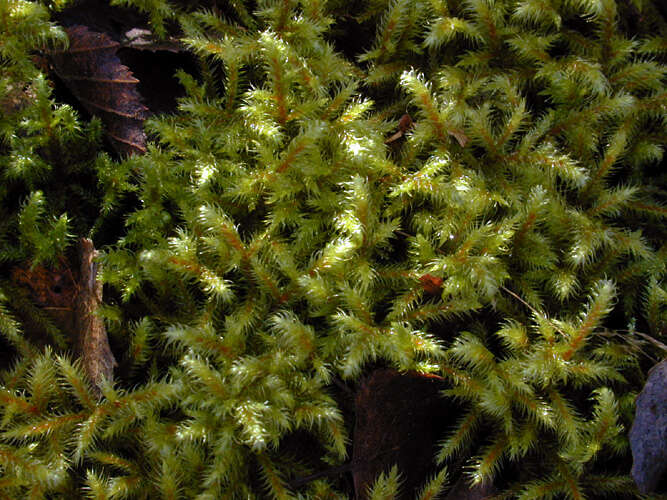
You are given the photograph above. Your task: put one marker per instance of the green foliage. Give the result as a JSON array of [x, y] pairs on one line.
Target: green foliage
[[159, 11], [25, 26], [273, 243]]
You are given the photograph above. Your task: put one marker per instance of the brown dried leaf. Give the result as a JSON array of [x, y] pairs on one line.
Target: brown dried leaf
[[51, 288], [74, 307], [94, 74]]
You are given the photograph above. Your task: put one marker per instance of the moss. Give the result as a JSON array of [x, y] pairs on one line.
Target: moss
[[272, 242]]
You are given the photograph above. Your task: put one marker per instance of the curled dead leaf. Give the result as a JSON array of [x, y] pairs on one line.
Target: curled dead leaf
[[95, 75]]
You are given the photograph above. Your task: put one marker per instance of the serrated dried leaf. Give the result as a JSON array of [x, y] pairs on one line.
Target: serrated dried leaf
[[105, 87]]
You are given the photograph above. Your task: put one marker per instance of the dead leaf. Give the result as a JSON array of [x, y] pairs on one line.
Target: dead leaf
[[106, 88], [50, 288], [74, 307], [53, 290]]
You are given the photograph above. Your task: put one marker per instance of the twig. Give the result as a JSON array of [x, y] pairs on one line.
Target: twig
[[533, 310]]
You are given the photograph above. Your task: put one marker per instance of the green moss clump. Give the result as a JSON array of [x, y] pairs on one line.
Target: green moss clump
[[512, 241]]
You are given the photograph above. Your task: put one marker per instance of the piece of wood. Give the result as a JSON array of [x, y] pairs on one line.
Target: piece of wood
[[93, 344]]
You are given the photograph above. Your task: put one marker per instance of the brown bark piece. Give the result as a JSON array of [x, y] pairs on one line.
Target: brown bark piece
[[399, 420], [106, 88], [97, 359]]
